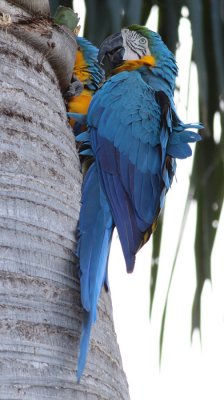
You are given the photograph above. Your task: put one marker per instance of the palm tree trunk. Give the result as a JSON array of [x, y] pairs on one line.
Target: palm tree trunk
[[40, 313]]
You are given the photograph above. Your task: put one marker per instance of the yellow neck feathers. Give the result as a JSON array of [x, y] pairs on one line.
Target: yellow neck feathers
[[80, 68], [130, 65]]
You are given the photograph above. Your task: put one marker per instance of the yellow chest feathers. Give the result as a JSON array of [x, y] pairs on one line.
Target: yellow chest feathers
[[80, 68], [131, 65]]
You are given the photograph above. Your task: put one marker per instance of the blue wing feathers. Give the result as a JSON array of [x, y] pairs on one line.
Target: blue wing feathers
[[129, 125], [128, 235], [83, 137], [87, 152], [135, 137], [180, 151], [184, 137]]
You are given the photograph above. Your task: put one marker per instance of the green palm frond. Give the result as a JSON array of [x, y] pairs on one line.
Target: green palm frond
[[209, 196], [156, 248], [169, 11], [190, 196], [208, 168]]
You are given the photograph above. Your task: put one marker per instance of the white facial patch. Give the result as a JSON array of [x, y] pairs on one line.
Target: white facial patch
[[135, 45]]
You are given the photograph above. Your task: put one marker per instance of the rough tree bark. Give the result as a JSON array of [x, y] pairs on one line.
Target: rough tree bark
[[40, 313]]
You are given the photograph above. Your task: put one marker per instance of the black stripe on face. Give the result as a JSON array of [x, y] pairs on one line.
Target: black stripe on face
[[137, 43]]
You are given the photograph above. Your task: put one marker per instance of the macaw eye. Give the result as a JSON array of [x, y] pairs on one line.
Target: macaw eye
[[142, 40]]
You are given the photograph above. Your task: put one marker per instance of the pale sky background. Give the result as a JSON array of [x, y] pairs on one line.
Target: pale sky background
[[189, 370]]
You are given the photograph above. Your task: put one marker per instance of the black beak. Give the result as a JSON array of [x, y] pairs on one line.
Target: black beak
[[111, 51]]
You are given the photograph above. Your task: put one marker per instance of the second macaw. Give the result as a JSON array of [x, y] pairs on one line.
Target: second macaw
[[90, 74], [135, 136]]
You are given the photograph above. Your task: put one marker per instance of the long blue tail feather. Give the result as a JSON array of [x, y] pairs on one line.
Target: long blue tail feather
[[84, 343], [95, 232]]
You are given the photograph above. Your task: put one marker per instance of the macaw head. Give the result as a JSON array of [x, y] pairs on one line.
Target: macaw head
[[136, 43]]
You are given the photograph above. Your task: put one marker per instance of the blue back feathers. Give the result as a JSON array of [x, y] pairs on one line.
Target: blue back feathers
[[135, 136]]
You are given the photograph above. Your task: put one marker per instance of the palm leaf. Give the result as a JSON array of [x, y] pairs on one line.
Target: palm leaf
[[209, 195], [207, 174], [156, 247], [169, 16], [146, 8], [190, 197], [102, 19]]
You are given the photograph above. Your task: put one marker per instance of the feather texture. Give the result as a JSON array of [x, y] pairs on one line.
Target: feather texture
[[135, 136], [131, 147]]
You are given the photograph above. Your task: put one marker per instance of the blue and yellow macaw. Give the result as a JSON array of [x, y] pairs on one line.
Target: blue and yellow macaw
[[89, 73], [135, 136]]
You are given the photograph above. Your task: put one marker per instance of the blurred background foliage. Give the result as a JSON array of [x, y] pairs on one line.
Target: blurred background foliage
[[207, 178]]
